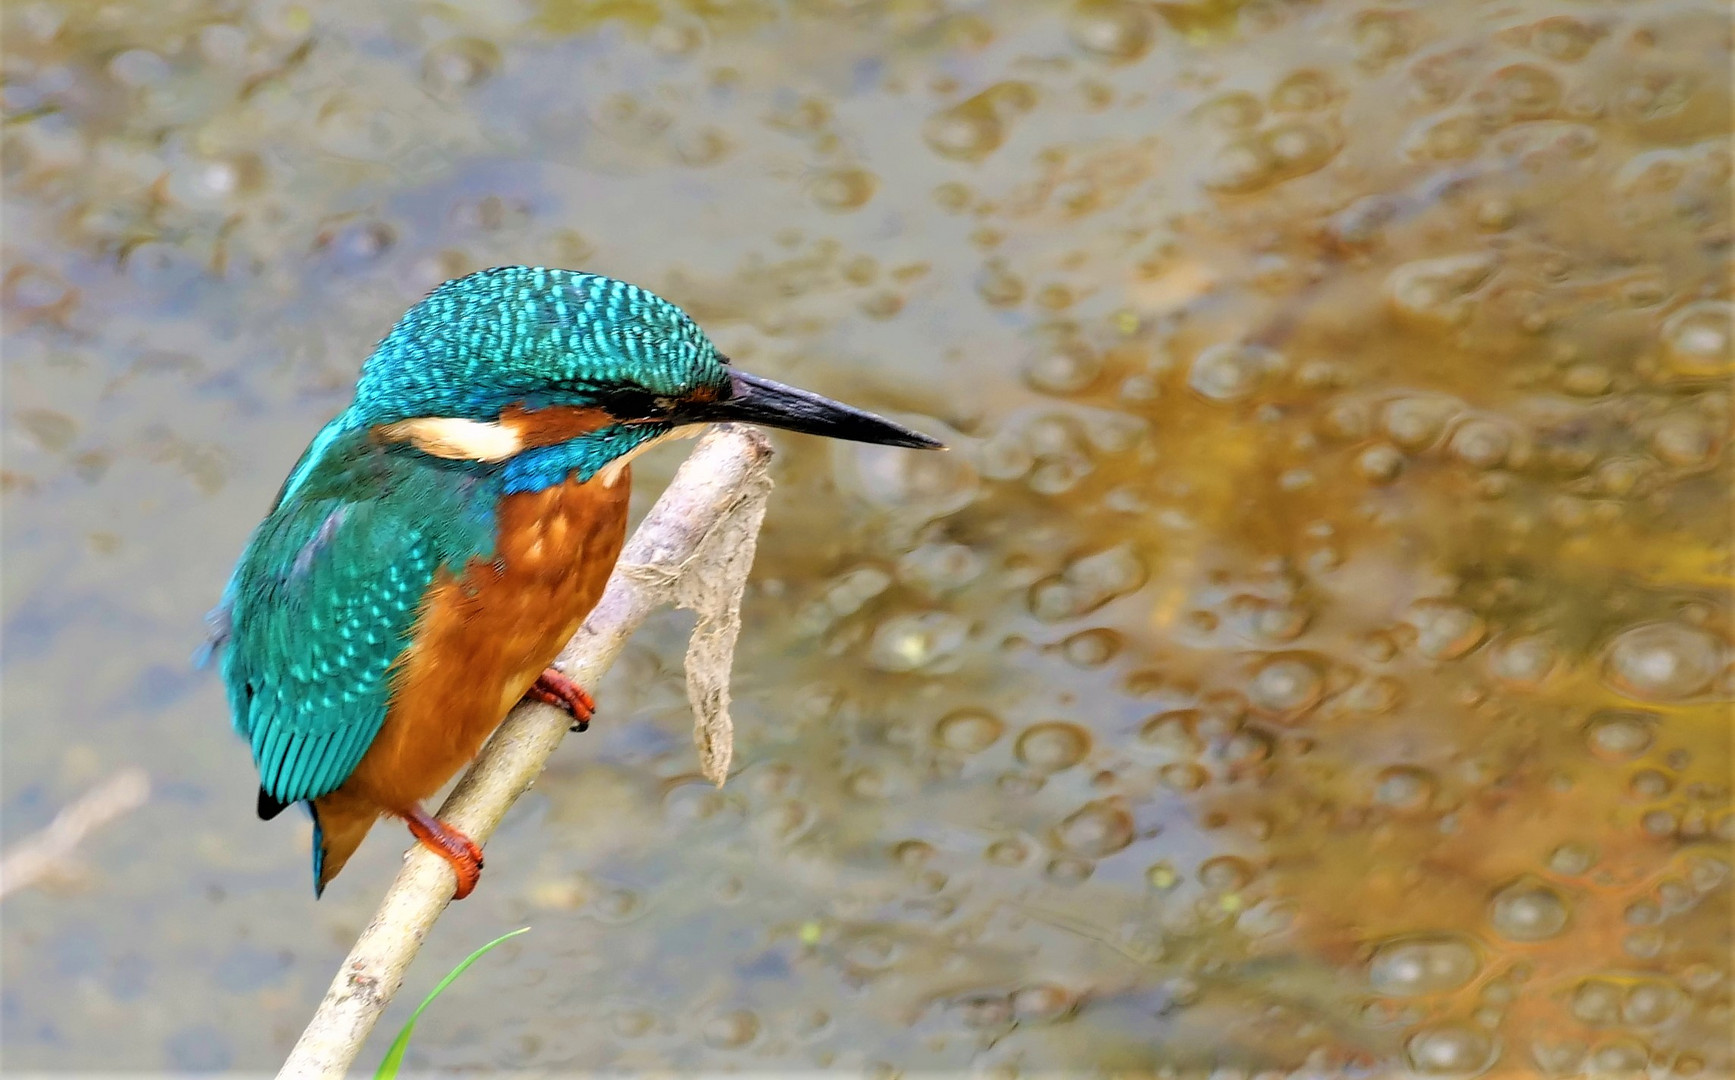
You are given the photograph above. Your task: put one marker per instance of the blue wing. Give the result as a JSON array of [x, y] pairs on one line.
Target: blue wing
[[325, 599]]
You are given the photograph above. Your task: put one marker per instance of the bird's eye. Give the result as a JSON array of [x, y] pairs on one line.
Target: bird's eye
[[629, 403]]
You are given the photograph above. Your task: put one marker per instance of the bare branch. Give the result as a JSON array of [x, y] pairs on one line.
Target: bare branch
[[705, 526], [53, 852]]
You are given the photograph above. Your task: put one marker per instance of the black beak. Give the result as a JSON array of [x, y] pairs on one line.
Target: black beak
[[760, 401]]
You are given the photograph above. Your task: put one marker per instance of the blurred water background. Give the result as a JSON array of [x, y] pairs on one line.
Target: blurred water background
[[1314, 656]]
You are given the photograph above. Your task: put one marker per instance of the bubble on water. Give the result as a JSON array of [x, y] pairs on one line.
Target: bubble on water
[[939, 568], [1042, 1003], [1096, 829], [1052, 746], [1696, 340], [1524, 92], [1686, 439], [1230, 371], [1572, 859], [731, 1030], [851, 590], [1624, 1056], [1444, 630], [1597, 1001], [1225, 873], [1183, 776], [1415, 423], [1522, 661], [1087, 584], [1068, 869], [701, 146], [1423, 964], [617, 905], [1175, 732], [1119, 30], [1437, 291], [1091, 648], [1481, 444], [1620, 736], [138, 68], [1241, 167], [1299, 148], [1587, 380], [1010, 852], [1287, 684], [1302, 91], [1451, 137], [973, 129], [1380, 463], [1405, 787], [968, 731], [1650, 1002], [928, 642], [355, 244], [1236, 110], [1067, 369], [35, 288], [459, 64], [999, 286], [1375, 695], [843, 190], [1663, 661], [1005, 455], [1563, 38], [932, 485], [1528, 910], [1649, 784], [1450, 1049]]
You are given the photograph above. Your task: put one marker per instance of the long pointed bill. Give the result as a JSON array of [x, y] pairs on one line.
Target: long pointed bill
[[761, 401]]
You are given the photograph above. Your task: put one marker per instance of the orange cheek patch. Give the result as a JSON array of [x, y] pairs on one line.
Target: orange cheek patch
[[557, 424]]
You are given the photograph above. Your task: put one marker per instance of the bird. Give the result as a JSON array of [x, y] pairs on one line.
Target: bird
[[442, 537]]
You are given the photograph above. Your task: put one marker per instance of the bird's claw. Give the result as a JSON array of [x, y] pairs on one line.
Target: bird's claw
[[553, 688], [459, 850]]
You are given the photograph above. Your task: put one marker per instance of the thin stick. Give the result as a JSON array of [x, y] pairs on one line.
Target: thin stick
[[725, 473], [53, 852]]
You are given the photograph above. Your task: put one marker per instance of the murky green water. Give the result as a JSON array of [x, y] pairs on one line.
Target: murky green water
[[1315, 655]]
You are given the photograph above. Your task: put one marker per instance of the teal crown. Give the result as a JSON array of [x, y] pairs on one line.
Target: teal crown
[[529, 334]]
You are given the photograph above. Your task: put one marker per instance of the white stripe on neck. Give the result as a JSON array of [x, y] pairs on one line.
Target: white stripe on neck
[[457, 439]]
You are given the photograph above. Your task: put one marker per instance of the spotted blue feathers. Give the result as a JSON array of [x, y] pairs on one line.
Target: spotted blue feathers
[[526, 333]]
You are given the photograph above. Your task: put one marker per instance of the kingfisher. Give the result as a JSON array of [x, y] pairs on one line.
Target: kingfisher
[[440, 539]]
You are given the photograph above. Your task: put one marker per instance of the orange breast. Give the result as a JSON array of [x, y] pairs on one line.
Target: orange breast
[[484, 638]]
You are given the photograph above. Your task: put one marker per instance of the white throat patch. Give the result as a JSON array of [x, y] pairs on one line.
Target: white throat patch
[[610, 474]]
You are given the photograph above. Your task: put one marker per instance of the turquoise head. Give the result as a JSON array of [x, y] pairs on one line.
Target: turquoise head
[[546, 372]]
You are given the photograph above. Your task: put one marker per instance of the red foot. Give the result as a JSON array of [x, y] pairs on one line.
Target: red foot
[[553, 688], [451, 845]]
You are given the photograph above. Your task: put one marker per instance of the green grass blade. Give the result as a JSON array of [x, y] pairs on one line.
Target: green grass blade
[[394, 1058]]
